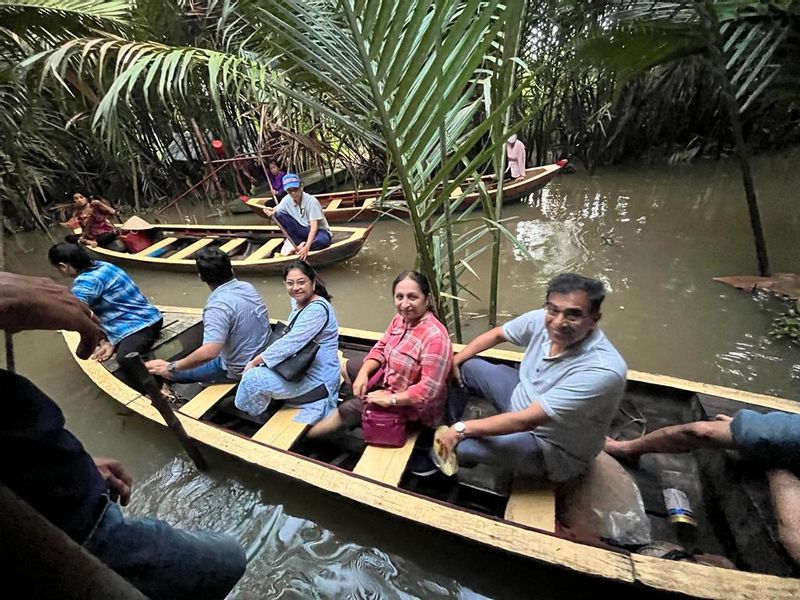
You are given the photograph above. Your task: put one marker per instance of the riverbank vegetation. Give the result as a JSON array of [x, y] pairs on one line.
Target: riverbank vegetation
[[124, 97]]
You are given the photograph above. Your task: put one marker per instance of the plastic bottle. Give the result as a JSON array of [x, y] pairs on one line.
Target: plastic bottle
[[676, 492]]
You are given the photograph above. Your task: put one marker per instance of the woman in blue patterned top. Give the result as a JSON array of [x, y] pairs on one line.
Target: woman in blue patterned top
[[312, 317], [128, 320]]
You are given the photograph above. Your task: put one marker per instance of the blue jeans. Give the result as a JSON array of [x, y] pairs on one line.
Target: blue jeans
[[518, 453], [771, 440], [299, 233], [167, 563], [210, 372]]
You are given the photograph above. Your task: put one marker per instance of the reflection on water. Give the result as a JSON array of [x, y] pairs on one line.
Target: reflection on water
[[655, 236]]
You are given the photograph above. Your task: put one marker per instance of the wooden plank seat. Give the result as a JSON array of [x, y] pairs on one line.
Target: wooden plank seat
[[456, 192], [281, 431], [334, 204], [369, 202], [532, 503], [232, 245], [157, 246], [265, 251], [386, 464], [205, 400], [190, 249]]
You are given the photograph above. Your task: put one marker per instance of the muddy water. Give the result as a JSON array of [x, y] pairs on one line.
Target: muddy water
[[655, 236]]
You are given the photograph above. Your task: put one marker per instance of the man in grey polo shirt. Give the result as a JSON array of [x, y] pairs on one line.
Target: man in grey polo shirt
[[556, 410], [235, 327]]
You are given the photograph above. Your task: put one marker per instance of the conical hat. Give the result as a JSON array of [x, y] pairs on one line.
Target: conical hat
[[136, 224]]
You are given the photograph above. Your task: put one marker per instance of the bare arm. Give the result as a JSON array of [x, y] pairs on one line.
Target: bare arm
[[484, 341], [784, 487], [205, 353]]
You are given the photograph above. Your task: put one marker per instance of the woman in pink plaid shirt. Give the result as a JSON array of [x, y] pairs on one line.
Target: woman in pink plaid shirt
[[407, 368]]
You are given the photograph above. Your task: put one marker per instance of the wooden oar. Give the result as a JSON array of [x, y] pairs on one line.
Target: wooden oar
[[161, 404]]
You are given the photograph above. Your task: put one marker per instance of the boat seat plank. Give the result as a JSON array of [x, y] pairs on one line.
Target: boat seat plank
[[265, 251], [190, 249], [532, 503], [200, 404], [369, 202], [385, 464], [232, 245], [281, 431], [157, 246], [456, 192], [334, 204]]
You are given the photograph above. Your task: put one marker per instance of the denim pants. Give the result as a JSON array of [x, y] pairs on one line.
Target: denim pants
[[167, 563], [299, 233], [518, 453], [210, 372]]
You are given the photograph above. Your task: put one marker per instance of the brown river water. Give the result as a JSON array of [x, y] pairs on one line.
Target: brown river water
[[655, 236]]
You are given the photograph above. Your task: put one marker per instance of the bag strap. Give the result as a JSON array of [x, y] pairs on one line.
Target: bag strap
[[327, 317]]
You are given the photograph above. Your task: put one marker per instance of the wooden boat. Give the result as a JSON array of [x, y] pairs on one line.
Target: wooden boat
[[364, 205], [522, 523], [252, 248]]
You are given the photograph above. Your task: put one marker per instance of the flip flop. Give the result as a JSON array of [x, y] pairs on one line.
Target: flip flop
[[446, 464]]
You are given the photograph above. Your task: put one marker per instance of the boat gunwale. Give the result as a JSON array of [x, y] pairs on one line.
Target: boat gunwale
[[542, 546]]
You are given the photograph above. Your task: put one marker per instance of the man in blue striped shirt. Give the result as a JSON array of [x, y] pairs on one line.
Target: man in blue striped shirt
[[128, 320]]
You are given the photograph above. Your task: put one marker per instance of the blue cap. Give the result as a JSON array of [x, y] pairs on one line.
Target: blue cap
[[290, 180]]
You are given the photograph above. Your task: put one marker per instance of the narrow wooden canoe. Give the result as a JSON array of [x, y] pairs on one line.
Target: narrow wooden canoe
[[364, 205], [522, 524], [252, 248]]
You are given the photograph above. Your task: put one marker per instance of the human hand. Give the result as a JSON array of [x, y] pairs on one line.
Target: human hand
[[40, 303], [117, 479], [360, 385], [446, 441], [380, 397], [158, 367], [103, 351], [254, 363]]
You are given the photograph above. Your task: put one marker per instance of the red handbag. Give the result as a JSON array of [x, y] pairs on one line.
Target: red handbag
[[383, 426]]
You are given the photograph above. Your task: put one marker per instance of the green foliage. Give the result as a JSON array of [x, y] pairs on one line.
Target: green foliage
[[787, 326]]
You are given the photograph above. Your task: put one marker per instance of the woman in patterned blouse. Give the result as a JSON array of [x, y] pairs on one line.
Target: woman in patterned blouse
[[407, 368]]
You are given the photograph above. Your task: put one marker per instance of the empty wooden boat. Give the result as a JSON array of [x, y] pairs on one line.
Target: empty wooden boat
[[252, 248], [517, 516], [366, 204]]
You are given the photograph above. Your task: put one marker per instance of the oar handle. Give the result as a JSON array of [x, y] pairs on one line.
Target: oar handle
[[153, 391]]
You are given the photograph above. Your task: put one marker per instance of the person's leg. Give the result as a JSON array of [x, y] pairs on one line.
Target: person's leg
[[518, 453], [140, 341], [297, 232], [321, 240], [784, 487], [210, 372], [167, 563], [675, 439], [253, 394], [348, 414], [496, 383]]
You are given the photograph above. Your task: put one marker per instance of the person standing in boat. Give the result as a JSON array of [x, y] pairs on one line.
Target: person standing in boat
[[130, 323], [555, 411], [312, 318], [235, 327], [771, 441], [48, 467], [301, 216], [276, 175], [407, 369], [515, 152], [97, 228]]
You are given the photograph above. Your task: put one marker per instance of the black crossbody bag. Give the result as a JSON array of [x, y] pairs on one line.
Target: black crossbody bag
[[294, 367]]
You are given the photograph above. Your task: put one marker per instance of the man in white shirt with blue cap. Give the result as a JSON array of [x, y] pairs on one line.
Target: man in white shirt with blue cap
[[301, 216]]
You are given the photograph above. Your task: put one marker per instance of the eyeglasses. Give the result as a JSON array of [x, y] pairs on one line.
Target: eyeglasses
[[300, 283], [571, 315]]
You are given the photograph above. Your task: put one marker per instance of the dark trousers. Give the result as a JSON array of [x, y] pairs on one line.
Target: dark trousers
[[140, 341], [299, 233]]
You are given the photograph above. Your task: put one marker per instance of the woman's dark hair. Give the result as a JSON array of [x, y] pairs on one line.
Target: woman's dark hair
[[70, 254], [566, 283], [274, 162], [308, 271], [421, 281], [214, 266]]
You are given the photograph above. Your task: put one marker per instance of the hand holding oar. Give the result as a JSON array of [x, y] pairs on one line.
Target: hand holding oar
[[153, 391]]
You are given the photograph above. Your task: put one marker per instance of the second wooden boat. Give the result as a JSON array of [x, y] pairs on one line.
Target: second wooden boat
[[366, 205], [252, 248], [519, 517]]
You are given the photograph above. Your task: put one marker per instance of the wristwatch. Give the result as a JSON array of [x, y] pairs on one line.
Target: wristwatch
[[394, 399], [171, 367], [461, 429]]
